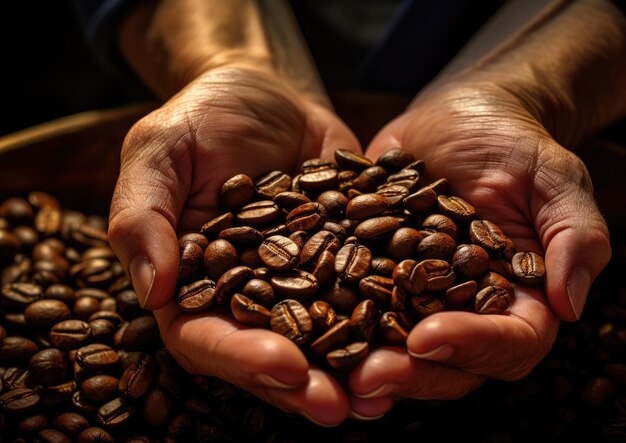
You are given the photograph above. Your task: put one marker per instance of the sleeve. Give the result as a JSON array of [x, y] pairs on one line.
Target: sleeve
[[100, 21]]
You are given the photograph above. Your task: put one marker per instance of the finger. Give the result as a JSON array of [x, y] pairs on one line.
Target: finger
[[572, 230], [334, 135], [384, 140], [389, 374], [499, 346], [146, 203]]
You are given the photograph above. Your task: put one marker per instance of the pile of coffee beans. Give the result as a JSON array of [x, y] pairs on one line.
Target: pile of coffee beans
[[348, 255]]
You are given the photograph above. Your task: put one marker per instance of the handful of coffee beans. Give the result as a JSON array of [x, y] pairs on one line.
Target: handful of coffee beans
[[348, 255]]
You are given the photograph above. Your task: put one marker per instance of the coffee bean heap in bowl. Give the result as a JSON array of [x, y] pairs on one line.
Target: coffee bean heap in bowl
[[348, 255]]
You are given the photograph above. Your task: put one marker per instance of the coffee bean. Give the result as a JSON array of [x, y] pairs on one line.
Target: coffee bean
[[48, 366], [424, 305], [290, 200], [439, 274], [437, 245], [231, 282], [141, 333], [20, 295], [52, 436], [403, 244], [364, 320], [70, 423], [470, 260], [99, 388], [462, 293], [353, 262], [260, 291], [528, 268], [117, 413], [46, 313], [395, 159], [191, 263], [366, 206], [439, 223], [16, 377], [456, 208], [394, 194], [94, 434], [376, 228], [495, 294], [407, 178], [242, 235], [322, 315], [197, 296], [391, 330], [411, 276], [376, 288], [237, 191], [214, 226], [247, 312], [137, 377], [291, 319], [320, 177], [258, 213], [273, 184], [314, 247], [489, 236], [96, 357], [19, 400], [279, 253], [424, 200], [348, 357], [370, 179], [383, 266], [34, 424], [334, 202], [14, 348], [335, 337], [295, 284], [351, 160], [343, 297], [324, 270], [306, 217]]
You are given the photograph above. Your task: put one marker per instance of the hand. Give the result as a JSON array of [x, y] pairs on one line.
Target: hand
[[174, 161], [498, 157]]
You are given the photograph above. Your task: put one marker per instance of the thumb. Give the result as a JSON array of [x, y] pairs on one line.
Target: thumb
[[144, 212], [574, 235]]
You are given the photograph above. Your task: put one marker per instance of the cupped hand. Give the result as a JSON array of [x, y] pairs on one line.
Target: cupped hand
[[173, 163], [496, 155]]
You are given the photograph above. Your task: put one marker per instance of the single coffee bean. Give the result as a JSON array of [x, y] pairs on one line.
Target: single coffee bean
[[489, 236], [437, 245], [399, 305], [157, 408], [141, 333], [237, 191], [411, 276], [439, 223], [52, 436], [290, 200], [353, 262], [101, 331], [461, 294], [395, 159], [279, 253], [219, 256], [348, 357], [48, 366], [20, 295], [85, 307], [137, 377], [364, 320], [15, 348], [324, 270], [117, 413], [383, 266], [16, 210], [197, 296], [33, 424], [336, 337], [322, 315], [96, 357], [258, 213], [16, 377], [291, 319], [470, 260], [345, 180], [19, 400], [424, 200], [314, 247], [424, 305], [99, 388], [214, 226], [249, 313], [82, 405], [260, 291], [318, 178], [191, 263], [351, 160], [295, 284], [391, 330], [307, 217], [26, 236], [334, 202], [528, 268], [440, 186], [46, 313], [232, 281], [403, 244], [456, 208], [366, 206], [273, 184], [56, 395], [376, 288], [370, 179], [94, 434], [495, 294], [394, 194], [407, 178], [111, 316], [242, 236], [376, 228], [343, 297], [439, 274], [70, 423], [86, 235]]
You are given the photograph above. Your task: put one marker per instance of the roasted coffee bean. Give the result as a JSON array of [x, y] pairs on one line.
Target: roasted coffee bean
[[276, 230], [407, 178], [48, 366], [242, 235], [319, 177], [403, 244], [351, 160], [348, 357], [395, 159], [353, 262], [376, 228], [260, 291], [370, 179], [319, 242], [99, 388], [366, 206], [14, 348], [19, 400], [137, 377], [237, 191], [336, 337], [364, 320], [439, 223], [424, 305], [258, 213], [295, 284], [46, 313], [456, 208], [33, 424], [111, 316], [86, 235], [190, 237], [528, 268], [101, 331], [273, 184], [157, 408], [117, 413], [291, 319], [85, 307], [376, 288], [383, 266], [470, 260], [437, 245], [439, 274], [424, 200], [290, 200], [307, 217], [70, 423], [279, 253], [232, 281], [322, 315], [411, 276], [394, 194], [16, 377], [214, 226], [20, 295], [462, 293], [191, 263], [96, 357], [391, 330], [489, 236], [52, 436], [495, 294], [197, 296], [94, 434], [324, 270], [334, 202], [82, 405], [56, 395], [26, 236], [141, 333], [250, 257], [247, 312], [16, 210], [399, 305]]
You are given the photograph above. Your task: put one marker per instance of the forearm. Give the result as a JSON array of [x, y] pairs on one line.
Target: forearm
[[170, 42], [568, 67]]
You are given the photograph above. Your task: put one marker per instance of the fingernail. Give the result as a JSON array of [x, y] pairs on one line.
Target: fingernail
[[442, 353], [577, 289], [142, 276], [383, 390], [363, 417], [270, 382], [306, 415]]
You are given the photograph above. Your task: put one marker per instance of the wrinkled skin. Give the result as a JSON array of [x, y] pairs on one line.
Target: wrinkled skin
[[494, 153]]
